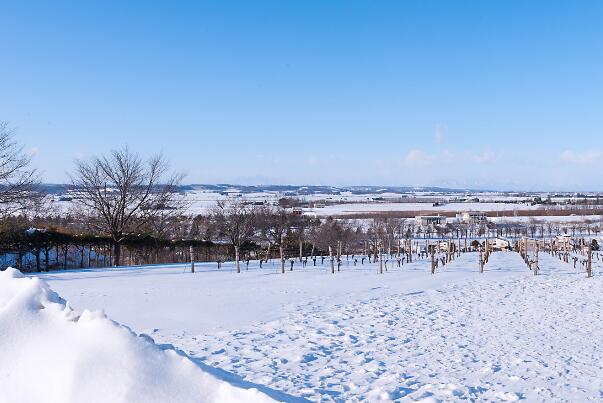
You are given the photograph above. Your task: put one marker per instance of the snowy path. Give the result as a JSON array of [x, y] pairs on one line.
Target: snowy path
[[523, 337]]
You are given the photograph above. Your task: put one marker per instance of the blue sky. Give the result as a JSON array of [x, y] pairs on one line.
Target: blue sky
[[495, 94]]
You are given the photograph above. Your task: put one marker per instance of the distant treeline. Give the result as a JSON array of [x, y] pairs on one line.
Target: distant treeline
[[127, 210]]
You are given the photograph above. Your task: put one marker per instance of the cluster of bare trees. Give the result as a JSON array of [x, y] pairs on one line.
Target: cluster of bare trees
[[18, 180], [128, 211]]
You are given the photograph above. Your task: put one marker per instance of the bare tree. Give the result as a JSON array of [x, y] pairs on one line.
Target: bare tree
[[121, 192], [235, 221], [274, 225], [18, 180]]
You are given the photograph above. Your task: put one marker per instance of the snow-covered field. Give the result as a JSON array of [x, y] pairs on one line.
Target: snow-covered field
[[345, 204], [354, 208], [567, 219], [357, 335]]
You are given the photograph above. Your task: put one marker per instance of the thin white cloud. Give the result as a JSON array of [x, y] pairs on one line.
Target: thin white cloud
[[420, 158], [587, 157], [441, 131], [485, 157]]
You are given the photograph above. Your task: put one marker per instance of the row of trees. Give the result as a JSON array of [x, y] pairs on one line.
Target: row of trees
[[123, 201]]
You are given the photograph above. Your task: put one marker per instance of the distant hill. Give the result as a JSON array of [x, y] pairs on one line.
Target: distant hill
[[295, 190], [311, 189]]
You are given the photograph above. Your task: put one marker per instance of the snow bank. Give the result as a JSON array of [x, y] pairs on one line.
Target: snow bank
[[49, 353]]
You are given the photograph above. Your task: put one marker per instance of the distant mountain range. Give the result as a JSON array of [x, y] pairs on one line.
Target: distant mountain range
[[301, 190], [311, 189], [52, 188]]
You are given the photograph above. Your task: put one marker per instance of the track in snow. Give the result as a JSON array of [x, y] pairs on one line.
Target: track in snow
[[492, 338]]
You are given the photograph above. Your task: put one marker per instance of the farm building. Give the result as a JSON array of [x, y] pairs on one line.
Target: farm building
[[472, 217], [425, 220], [500, 244], [563, 242]]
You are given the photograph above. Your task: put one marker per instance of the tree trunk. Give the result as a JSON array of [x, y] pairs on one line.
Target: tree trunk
[[280, 248], [38, 260], [237, 258], [192, 256], [46, 258], [116, 253]]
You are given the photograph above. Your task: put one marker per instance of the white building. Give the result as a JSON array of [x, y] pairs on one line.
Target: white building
[[500, 244], [472, 217], [425, 220]]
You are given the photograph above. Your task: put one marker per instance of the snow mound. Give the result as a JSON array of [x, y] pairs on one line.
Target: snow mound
[[50, 353]]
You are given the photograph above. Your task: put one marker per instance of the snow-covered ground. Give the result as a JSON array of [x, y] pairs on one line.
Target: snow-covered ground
[[202, 201], [357, 335], [50, 353], [567, 219], [355, 208]]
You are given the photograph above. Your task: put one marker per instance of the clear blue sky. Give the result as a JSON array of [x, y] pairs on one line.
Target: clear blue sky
[[500, 94]]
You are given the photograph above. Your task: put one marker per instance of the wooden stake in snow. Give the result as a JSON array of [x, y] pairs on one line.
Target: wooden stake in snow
[[380, 261], [481, 262], [282, 253], [192, 253], [589, 266], [536, 268], [432, 262], [331, 259]]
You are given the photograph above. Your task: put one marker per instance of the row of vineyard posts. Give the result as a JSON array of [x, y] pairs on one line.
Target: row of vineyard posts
[[128, 211], [269, 233], [567, 250]]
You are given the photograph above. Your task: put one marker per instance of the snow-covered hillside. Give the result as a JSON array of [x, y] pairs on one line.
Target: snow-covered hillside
[[357, 335]]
